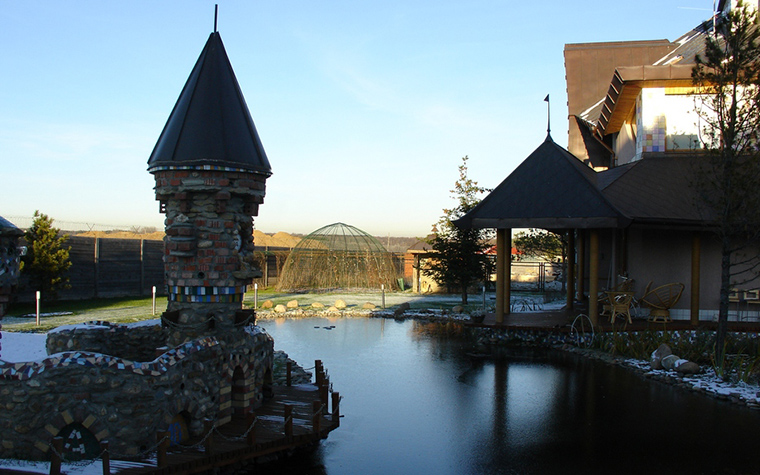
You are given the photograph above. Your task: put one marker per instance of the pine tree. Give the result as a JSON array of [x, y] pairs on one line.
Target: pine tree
[[46, 260], [727, 80], [460, 258]]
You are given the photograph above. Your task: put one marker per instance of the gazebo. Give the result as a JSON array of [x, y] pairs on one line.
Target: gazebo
[[639, 220]]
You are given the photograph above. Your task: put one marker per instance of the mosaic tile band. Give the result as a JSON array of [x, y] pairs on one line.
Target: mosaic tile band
[[206, 294], [27, 370]]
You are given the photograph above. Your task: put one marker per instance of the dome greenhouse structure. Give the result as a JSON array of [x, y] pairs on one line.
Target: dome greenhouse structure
[[338, 256]]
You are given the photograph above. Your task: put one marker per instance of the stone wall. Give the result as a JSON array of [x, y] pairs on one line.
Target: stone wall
[[88, 397], [137, 342]]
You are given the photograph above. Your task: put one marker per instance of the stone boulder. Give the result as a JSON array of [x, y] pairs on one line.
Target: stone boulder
[[280, 308], [267, 304], [292, 304], [669, 362], [401, 309], [688, 367], [457, 309], [369, 306], [317, 305], [661, 352], [340, 304]]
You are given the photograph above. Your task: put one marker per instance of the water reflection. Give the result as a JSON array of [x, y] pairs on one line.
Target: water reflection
[[417, 404]]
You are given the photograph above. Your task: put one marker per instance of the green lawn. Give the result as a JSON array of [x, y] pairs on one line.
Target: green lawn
[[22, 317]]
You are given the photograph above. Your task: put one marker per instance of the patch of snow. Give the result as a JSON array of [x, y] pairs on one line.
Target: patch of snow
[[22, 347]]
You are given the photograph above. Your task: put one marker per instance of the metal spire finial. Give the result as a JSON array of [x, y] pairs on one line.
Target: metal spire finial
[[216, 15], [548, 115]]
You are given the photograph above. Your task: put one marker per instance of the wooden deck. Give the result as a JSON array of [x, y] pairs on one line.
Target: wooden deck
[[561, 320], [271, 435]]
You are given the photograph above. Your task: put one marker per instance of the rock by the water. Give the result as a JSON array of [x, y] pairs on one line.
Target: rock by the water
[[669, 362], [292, 304], [317, 305], [340, 304], [280, 308], [661, 352], [401, 309], [688, 367], [457, 309], [369, 306], [267, 304]]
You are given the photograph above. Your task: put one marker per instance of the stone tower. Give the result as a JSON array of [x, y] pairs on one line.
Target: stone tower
[[210, 170]]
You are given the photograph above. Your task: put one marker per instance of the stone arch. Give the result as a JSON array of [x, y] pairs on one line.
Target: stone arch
[[67, 418], [79, 443], [192, 415]]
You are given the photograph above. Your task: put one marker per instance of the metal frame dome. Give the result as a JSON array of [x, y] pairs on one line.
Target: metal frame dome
[[338, 256]]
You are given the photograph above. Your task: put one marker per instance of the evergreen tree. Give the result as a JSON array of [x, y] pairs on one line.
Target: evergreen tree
[[460, 258], [727, 82], [46, 260], [539, 243]]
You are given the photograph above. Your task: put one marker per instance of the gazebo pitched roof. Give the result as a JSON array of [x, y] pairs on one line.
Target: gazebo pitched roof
[[210, 124], [550, 189]]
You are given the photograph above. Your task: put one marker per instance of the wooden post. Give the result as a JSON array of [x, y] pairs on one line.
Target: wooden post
[[570, 270], [593, 284], [696, 259], [318, 372], [162, 438], [316, 407], [336, 408], [581, 268], [208, 444], [249, 420], [289, 374], [503, 273], [55, 456], [106, 458], [288, 421], [324, 390]]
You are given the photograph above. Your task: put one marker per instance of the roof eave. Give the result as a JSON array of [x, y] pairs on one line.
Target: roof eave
[[626, 84]]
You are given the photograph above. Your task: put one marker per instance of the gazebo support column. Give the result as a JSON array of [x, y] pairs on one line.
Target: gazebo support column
[[696, 247], [570, 270], [593, 284], [503, 272]]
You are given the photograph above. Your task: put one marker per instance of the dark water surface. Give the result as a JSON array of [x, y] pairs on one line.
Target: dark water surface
[[414, 404]]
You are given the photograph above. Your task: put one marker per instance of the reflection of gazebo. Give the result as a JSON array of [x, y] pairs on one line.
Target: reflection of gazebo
[[638, 219], [338, 256]]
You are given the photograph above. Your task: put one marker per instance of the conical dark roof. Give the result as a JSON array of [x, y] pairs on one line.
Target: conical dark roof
[[210, 124], [550, 189], [9, 229]]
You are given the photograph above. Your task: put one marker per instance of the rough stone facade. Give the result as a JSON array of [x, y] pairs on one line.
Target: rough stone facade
[[209, 247], [88, 397]]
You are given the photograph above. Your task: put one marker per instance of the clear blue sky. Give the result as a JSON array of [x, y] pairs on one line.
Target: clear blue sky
[[365, 108]]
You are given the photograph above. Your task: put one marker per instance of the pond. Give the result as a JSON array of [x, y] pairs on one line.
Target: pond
[[418, 404]]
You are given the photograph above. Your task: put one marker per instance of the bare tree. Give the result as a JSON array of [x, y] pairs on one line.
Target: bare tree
[[727, 83]]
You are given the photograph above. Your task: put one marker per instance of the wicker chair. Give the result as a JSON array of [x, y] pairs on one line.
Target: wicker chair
[[620, 304], [661, 299]]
